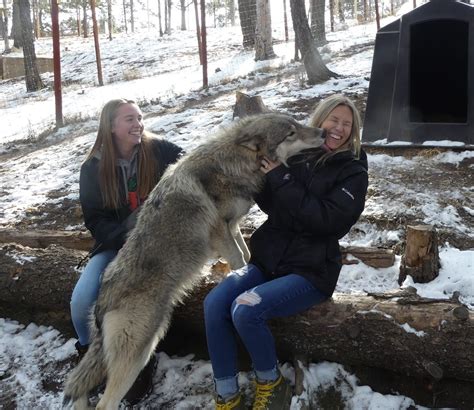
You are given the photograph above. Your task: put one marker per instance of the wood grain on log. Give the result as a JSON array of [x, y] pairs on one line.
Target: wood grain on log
[[421, 259]]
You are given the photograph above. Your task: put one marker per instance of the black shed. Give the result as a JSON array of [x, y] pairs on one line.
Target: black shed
[[422, 81]]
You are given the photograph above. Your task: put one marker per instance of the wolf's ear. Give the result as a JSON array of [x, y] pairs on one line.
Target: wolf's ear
[[250, 141]]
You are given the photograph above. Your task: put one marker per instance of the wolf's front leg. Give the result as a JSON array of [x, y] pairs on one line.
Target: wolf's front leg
[[241, 243], [224, 241]]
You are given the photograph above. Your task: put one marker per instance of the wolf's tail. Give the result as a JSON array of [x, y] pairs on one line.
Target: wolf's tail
[[89, 373]]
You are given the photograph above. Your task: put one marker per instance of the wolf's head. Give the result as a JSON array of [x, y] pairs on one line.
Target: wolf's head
[[278, 136]]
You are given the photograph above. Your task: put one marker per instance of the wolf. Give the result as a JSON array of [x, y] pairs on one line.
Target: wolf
[[190, 216]]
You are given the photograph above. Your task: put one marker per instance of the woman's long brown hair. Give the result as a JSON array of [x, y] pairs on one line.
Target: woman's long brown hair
[[104, 144]]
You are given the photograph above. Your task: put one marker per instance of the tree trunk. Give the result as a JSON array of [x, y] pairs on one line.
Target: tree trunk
[[4, 18], [318, 25], [248, 21], [110, 19], [377, 15], [169, 17], [16, 32], [331, 14], [204, 45], [285, 20], [183, 14], [421, 259], [132, 17], [198, 30], [36, 19], [159, 19], [96, 45], [124, 4], [85, 27], [58, 96], [398, 331], [340, 10], [78, 19], [166, 17], [32, 77], [263, 32], [232, 12], [315, 68], [40, 22]]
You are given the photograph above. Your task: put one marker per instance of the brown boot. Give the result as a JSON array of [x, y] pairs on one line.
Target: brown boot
[[143, 385], [273, 395], [81, 349], [232, 403]]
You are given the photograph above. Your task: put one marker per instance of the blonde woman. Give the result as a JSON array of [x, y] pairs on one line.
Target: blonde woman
[[122, 168], [295, 257]]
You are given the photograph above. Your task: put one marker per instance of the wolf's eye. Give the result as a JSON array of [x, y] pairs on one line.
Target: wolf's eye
[[291, 135]]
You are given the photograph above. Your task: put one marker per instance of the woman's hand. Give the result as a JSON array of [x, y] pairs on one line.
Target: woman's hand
[[266, 165]]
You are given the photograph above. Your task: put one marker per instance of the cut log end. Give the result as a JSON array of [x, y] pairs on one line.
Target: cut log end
[[246, 105], [421, 259]]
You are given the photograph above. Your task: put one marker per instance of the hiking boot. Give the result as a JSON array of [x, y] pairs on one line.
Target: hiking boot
[[143, 385], [235, 402], [81, 349], [273, 395]]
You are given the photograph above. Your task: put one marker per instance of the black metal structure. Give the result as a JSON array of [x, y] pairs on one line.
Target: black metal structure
[[422, 82]]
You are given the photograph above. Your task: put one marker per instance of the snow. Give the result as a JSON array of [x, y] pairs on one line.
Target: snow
[[163, 73]]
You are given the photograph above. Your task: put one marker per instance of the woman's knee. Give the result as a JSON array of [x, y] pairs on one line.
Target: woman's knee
[[216, 305], [245, 309], [211, 303]]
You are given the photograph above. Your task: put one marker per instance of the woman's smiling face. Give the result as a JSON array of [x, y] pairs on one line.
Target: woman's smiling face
[[338, 125]]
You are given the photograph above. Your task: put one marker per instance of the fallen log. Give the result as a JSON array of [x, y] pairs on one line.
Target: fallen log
[[82, 240], [42, 238], [398, 331]]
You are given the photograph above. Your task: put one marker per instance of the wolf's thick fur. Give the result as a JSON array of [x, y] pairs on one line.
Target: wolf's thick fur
[[191, 214]]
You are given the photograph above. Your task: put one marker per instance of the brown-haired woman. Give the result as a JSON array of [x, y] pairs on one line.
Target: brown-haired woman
[[122, 168]]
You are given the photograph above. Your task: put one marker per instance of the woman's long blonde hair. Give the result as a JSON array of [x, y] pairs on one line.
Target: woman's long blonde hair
[[105, 145], [322, 111]]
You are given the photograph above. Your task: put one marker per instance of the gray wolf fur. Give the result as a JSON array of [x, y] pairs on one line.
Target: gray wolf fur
[[191, 215]]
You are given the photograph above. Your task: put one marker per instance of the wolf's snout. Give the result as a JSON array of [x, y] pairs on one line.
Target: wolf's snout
[[316, 135]]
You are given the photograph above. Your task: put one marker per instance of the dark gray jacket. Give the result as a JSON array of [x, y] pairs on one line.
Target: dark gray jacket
[[108, 226], [309, 209]]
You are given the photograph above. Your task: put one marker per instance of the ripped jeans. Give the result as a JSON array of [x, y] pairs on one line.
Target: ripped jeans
[[241, 304]]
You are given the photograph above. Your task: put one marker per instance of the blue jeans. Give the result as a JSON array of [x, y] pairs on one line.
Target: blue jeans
[[86, 291], [242, 304]]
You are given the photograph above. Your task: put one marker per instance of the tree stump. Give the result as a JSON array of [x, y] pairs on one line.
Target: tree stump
[[246, 105], [421, 259]]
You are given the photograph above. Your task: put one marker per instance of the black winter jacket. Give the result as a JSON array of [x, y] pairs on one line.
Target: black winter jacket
[[309, 209], [106, 225]]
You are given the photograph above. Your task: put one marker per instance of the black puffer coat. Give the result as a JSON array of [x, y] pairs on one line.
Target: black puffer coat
[[107, 225], [309, 208]]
